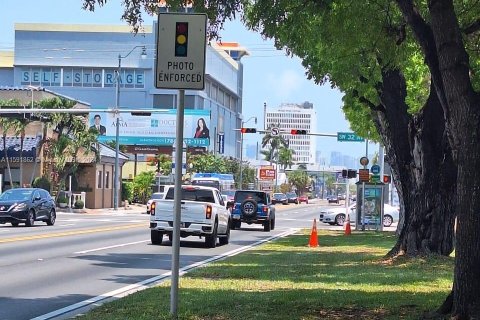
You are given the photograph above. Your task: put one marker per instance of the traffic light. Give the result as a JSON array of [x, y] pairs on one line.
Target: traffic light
[[181, 39], [344, 173], [387, 178], [352, 173], [248, 130], [298, 131]]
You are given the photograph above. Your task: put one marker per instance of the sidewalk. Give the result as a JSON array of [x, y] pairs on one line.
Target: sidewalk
[[132, 208]]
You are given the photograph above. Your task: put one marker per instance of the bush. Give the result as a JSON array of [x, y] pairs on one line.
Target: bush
[[41, 182], [127, 191], [79, 204], [62, 199]]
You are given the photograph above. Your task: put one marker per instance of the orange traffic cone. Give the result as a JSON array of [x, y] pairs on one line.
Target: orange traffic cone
[[313, 236], [348, 230]]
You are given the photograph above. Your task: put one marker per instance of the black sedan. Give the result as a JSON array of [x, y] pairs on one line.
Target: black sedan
[[292, 197], [279, 198], [27, 205]]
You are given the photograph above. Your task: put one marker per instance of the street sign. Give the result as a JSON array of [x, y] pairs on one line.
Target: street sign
[[363, 175], [375, 169], [221, 143], [274, 131], [364, 161], [181, 45], [375, 178], [349, 136]]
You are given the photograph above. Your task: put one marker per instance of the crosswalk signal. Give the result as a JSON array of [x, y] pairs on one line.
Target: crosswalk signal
[[248, 130], [181, 39], [298, 131], [387, 178]]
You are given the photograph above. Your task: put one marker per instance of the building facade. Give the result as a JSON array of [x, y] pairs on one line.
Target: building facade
[[295, 116], [80, 61]]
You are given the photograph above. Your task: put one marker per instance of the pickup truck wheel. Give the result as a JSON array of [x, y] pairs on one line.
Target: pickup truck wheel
[[170, 237], [267, 225], [156, 237], [211, 239], [272, 224], [236, 224], [226, 239]]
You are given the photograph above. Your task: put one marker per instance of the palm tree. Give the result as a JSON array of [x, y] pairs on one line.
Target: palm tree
[[6, 125], [275, 142], [285, 157], [19, 126]]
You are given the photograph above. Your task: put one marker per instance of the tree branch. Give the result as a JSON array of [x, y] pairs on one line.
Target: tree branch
[[472, 28]]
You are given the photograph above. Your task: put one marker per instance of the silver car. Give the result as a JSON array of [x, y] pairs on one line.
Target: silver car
[[155, 196], [337, 216]]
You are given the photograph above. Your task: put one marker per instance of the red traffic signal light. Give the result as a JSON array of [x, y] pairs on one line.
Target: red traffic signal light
[[298, 131], [387, 179], [181, 39], [248, 130]]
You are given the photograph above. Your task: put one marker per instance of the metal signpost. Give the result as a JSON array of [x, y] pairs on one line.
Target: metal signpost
[[180, 64]]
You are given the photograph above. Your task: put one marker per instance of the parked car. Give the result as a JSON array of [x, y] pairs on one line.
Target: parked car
[[155, 196], [27, 205], [337, 216], [279, 198], [303, 198], [332, 199], [292, 197], [341, 196]]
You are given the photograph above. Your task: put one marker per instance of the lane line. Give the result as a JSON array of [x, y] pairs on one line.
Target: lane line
[[111, 247], [142, 285], [71, 233]]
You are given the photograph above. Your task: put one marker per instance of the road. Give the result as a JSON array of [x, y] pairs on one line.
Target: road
[[85, 257]]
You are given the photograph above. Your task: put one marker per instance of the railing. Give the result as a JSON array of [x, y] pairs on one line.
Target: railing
[[72, 199]]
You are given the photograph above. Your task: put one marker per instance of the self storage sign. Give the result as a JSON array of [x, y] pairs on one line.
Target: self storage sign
[[181, 45]]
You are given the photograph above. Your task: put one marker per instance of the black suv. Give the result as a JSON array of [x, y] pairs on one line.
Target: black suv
[[253, 206]]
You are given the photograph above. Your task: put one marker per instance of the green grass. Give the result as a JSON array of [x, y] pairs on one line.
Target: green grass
[[344, 278]]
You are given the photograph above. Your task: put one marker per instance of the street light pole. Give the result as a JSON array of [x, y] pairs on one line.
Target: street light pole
[[116, 188], [241, 151]]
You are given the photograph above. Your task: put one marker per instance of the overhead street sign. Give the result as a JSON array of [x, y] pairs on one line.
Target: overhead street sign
[[274, 131], [181, 45], [375, 169], [348, 136]]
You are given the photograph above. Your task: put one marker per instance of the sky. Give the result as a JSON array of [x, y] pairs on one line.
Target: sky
[[270, 76]]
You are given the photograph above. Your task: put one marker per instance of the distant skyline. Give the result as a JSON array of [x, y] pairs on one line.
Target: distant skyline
[[270, 76]]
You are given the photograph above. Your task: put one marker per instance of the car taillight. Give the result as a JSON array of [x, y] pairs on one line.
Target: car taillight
[[208, 212], [265, 209], [152, 208]]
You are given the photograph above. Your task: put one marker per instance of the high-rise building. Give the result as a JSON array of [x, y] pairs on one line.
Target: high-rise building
[[295, 116]]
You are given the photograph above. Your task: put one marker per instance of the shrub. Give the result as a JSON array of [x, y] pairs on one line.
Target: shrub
[[62, 199], [41, 182], [127, 191], [79, 204]]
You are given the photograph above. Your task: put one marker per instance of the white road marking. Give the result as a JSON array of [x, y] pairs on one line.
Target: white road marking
[[66, 225], [122, 292], [111, 247]]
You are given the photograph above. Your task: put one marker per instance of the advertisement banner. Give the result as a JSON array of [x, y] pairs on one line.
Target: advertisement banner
[[157, 129], [266, 174]]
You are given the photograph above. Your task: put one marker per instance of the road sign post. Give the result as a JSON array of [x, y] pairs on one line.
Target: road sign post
[[180, 64]]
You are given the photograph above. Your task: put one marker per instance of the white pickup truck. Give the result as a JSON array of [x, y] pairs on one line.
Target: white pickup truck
[[203, 214]]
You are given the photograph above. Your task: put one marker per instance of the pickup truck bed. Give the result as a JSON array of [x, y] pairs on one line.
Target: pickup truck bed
[[203, 214]]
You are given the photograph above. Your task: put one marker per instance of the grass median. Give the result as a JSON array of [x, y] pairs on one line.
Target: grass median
[[345, 277]]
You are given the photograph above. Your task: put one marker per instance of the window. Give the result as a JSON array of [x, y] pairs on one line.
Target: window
[[107, 179], [99, 179]]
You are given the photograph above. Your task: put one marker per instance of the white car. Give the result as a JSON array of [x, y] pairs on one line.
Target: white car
[[155, 196], [337, 215]]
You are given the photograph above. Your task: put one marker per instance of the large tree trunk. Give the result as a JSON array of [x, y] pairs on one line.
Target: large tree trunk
[[463, 115], [422, 166]]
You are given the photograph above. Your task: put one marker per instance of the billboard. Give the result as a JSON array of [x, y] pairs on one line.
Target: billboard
[[266, 174], [157, 129]]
